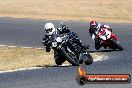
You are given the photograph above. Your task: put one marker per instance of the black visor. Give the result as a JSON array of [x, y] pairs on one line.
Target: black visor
[[48, 30], [93, 26]]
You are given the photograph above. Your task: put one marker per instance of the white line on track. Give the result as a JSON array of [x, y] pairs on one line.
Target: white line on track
[[11, 46], [27, 47], [2, 45], [31, 68], [21, 69]]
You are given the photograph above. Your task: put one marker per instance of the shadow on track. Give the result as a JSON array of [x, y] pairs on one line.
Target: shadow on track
[[103, 51], [48, 66]]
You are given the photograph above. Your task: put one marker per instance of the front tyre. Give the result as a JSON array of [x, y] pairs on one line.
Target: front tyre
[[70, 57], [97, 44]]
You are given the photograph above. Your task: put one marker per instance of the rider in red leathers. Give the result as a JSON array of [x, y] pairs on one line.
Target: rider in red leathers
[[93, 31]]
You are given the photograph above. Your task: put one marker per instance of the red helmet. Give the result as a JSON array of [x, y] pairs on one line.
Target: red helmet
[[93, 24]]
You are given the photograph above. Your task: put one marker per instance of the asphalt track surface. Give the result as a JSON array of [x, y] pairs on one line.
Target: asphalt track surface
[[29, 33]]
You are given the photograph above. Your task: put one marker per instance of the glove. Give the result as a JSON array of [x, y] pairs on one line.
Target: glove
[[94, 37], [46, 41]]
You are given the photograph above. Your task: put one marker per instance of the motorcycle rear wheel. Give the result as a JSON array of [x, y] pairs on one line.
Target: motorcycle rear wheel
[[88, 60]]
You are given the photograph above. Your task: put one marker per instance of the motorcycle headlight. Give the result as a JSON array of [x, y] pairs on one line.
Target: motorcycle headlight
[[59, 39]]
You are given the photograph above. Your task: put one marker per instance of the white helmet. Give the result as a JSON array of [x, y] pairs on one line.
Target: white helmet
[[49, 28]]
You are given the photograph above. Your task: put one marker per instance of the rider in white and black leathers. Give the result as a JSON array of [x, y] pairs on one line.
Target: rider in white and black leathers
[[93, 31], [73, 35], [50, 30]]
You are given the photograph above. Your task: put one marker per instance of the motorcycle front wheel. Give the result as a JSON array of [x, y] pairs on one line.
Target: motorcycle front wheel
[[70, 56]]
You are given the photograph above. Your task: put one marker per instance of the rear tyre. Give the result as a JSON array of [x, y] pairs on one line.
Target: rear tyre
[[88, 60]]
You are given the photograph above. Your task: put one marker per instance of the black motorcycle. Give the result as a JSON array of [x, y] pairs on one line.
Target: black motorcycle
[[69, 50]]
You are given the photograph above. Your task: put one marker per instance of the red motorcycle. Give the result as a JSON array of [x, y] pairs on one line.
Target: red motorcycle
[[109, 39]]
